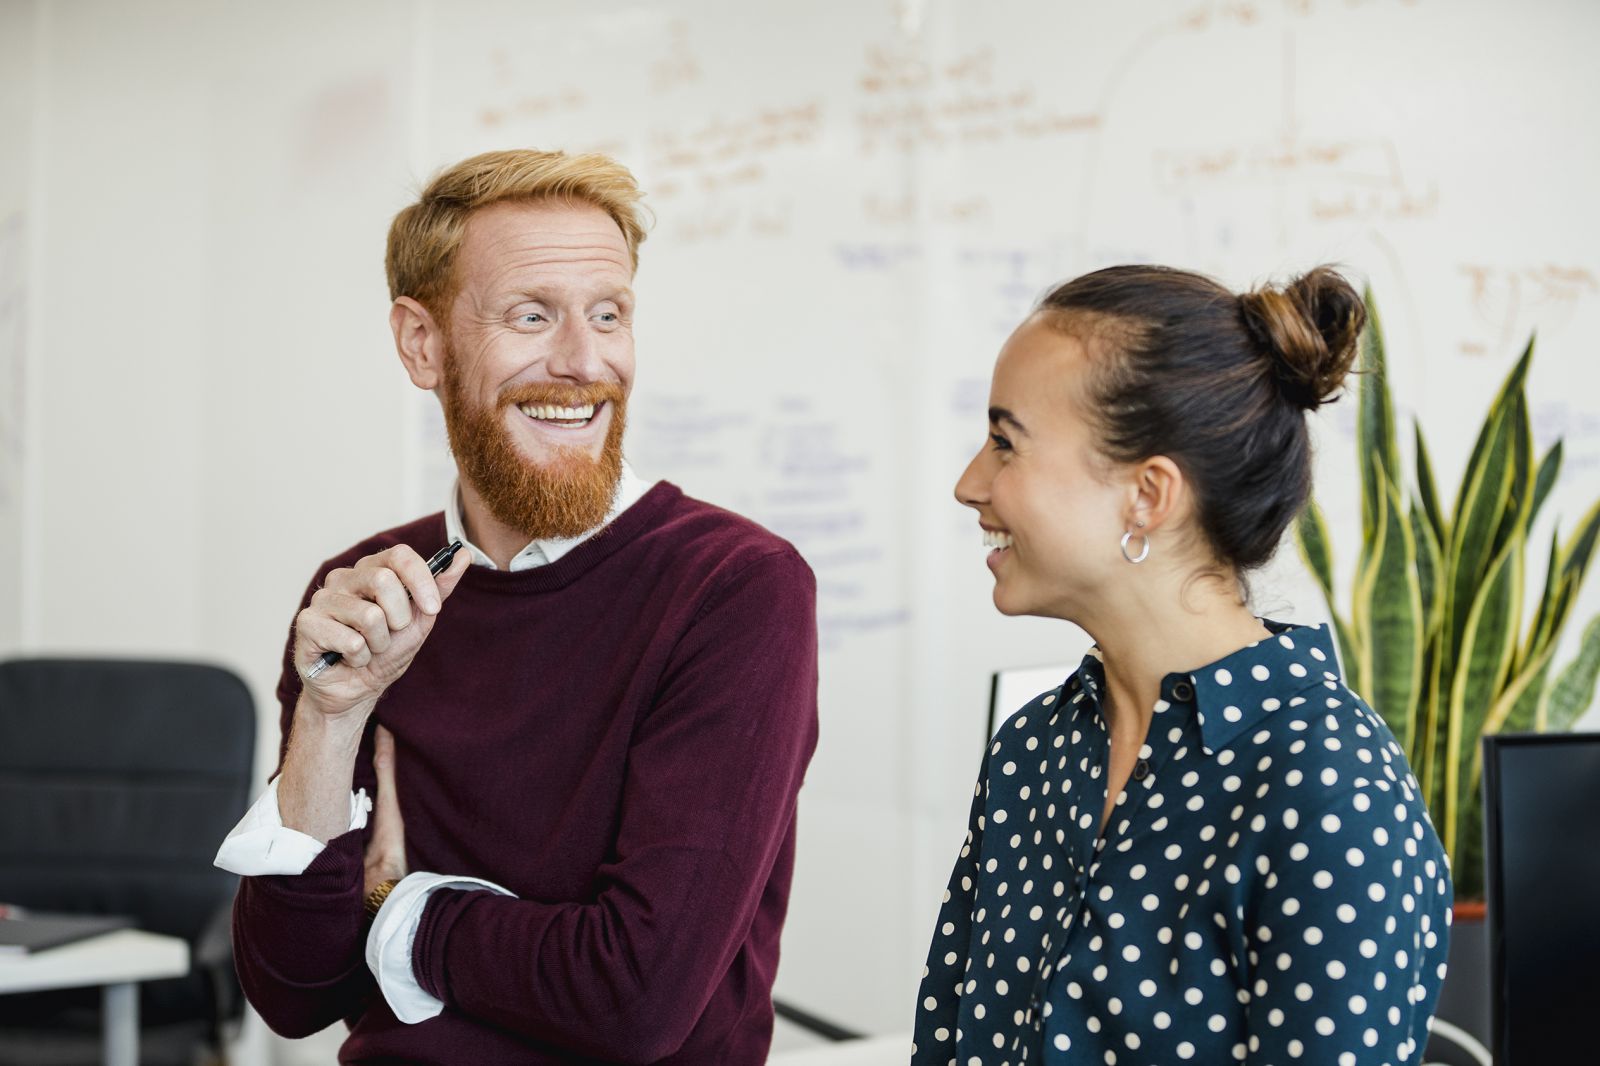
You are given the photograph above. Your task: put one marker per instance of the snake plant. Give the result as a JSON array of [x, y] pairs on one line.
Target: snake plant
[[1441, 636]]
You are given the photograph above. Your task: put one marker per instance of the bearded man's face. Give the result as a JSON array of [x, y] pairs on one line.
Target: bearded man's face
[[539, 364], [567, 491]]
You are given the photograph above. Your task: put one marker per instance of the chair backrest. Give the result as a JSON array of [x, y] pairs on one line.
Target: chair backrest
[[118, 779]]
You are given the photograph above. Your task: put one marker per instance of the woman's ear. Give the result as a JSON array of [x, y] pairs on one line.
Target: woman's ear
[[1158, 494], [419, 341]]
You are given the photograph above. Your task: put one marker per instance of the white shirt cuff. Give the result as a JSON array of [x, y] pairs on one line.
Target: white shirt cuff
[[261, 844], [394, 932]]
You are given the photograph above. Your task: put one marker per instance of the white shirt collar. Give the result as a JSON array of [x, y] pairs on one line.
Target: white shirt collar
[[630, 488]]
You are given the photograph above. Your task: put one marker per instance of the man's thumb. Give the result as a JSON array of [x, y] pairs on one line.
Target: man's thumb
[[447, 581]]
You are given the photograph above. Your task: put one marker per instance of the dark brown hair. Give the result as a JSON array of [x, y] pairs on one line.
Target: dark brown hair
[[1217, 382]]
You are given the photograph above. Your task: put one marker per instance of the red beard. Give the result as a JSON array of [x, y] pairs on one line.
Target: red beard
[[565, 496]]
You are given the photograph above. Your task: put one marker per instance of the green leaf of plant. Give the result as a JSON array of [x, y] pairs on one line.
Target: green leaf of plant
[[1483, 502], [1575, 557], [1544, 614], [1519, 500], [1429, 564], [1432, 744], [1579, 550], [1573, 691], [1395, 620], [1486, 650], [1497, 408], [1311, 535], [1545, 479], [1523, 715], [1515, 708], [1361, 596], [1514, 381], [1428, 490], [1374, 417], [1480, 505]]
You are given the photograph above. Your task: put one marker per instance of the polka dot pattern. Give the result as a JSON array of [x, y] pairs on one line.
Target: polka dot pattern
[[1269, 889]]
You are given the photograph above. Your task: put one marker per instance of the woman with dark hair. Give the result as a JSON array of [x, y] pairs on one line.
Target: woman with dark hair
[[1202, 846]]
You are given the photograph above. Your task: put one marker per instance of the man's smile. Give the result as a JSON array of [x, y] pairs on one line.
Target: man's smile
[[563, 417]]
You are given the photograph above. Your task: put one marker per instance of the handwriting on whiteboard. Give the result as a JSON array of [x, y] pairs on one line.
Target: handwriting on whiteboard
[[1509, 302], [1241, 14], [1341, 179], [716, 173], [679, 67], [792, 465], [911, 100]]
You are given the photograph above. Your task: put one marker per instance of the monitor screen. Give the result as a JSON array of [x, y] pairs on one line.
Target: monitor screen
[[1542, 820], [1011, 690]]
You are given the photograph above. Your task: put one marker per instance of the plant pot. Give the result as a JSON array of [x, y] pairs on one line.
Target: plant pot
[[1462, 1018]]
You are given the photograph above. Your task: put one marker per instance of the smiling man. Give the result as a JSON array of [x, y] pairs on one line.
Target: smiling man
[[593, 724]]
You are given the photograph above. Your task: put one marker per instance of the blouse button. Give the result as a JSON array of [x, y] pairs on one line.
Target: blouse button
[[1141, 770], [1183, 691]]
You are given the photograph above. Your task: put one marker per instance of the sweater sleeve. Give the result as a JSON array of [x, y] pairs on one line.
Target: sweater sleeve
[[709, 799], [299, 941]]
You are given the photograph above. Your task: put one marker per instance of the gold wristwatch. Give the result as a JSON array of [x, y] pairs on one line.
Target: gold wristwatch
[[376, 897]]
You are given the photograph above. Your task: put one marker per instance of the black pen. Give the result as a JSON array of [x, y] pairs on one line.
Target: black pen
[[436, 566]]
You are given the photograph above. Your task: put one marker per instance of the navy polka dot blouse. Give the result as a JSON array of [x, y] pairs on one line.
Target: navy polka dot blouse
[[1269, 889]]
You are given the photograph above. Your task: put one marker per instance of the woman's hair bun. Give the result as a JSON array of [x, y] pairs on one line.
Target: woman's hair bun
[[1308, 328]]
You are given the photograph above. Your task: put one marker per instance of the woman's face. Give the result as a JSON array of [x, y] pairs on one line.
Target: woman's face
[[1053, 509]]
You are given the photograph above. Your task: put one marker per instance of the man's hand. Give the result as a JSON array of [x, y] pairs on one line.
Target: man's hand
[[386, 850], [375, 614]]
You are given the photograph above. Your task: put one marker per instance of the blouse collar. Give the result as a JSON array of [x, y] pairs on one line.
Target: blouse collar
[[1239, 690]]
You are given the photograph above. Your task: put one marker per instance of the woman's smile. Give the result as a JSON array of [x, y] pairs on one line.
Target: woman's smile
[[999, 544]]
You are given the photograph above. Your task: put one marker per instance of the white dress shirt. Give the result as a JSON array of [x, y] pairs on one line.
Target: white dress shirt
[[261, 844]]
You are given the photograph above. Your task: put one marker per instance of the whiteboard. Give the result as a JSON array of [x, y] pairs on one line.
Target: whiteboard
[[856, 202]]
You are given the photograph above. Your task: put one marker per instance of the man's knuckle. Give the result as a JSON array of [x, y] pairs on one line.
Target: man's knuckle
[[396, 555]]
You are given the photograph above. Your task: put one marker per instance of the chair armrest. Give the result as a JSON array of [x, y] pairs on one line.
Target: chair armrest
[[213, 948], [213, 960]]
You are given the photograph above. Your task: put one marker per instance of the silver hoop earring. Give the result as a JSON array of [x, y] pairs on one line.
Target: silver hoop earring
[[1144, 552]]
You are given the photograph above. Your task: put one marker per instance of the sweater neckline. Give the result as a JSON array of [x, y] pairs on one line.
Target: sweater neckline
[[645, 512]]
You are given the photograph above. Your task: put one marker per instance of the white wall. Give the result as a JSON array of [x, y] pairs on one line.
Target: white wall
[[18, 106], [855, 203]]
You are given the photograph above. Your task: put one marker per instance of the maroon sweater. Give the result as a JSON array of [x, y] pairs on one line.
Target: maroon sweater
[[616, 737]]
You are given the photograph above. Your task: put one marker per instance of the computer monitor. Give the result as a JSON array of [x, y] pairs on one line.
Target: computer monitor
[[1010, 690], [1542, 827]]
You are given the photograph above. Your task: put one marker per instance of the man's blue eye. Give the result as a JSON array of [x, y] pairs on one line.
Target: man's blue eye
[[610, 316], [531, 316]]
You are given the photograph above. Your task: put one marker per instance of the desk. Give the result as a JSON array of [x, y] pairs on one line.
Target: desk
[[873, 1051], [118, 961]]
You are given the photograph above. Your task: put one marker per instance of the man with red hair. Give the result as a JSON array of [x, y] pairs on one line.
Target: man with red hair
[[595, 721]]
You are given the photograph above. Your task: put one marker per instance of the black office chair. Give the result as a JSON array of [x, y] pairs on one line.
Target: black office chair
[[118, 780]]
